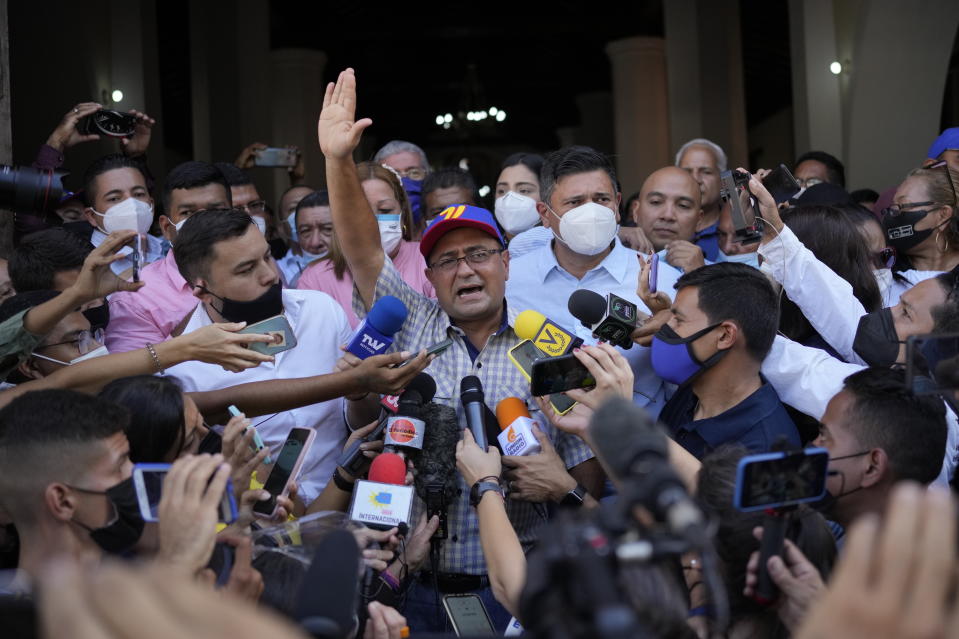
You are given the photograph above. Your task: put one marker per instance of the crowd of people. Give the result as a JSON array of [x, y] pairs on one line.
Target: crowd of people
[[133, 315]]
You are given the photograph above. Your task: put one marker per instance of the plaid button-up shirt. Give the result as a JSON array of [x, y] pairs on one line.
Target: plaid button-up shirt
[[428, 324]]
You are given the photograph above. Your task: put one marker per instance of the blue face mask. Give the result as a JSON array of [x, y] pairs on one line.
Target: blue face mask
[[749, 259], [673, 357], [291, 222], [413, 189]]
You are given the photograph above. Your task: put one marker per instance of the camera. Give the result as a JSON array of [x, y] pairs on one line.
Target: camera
[[27, 189], [107, 122], [735, 190]]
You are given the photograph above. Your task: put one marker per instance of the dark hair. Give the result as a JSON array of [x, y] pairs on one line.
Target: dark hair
[[23, 301], [314, 199], [863, 195], [101, 166], [156, 426], [192, 175], [196, 241], [446, 178], [734, 540], [234, 175], [572, 160], [41, 255], [532, 161], [737, 292], [945, 316], [887, 415], [834, 238], [835, 171]]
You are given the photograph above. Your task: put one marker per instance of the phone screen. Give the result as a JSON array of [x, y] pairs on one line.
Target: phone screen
[[279, 328], [523, 356], [148, 481], [558, 374], [780, 479], [468, 615], [283, 469]]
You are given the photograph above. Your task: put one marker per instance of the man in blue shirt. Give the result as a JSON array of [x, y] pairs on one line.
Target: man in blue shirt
[[724, 320], [705, 160]]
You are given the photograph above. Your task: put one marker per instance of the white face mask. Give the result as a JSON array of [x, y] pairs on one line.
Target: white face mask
[[129, 215], [884, 279], [750, 259], [391, 232], [587, 229], [179, 225], [260, 223], [97, 352], [516, 212]]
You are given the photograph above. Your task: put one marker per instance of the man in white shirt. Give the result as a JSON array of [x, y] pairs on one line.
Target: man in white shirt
[[226, 259]]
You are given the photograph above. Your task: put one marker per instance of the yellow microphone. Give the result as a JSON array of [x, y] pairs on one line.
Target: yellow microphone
[[547, 335]]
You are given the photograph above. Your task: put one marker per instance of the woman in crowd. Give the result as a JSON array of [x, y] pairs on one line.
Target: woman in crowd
[[517, 192], [391, 206]]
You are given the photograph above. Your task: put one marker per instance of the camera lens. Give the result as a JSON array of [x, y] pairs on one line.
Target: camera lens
[[30, 190]]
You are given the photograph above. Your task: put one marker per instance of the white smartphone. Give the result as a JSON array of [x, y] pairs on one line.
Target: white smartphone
[[286, 468], [279, 328], [148, 483], [468, 614]]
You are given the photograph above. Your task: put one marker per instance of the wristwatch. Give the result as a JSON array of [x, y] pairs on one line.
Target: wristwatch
[[574, 497], [483, 486]]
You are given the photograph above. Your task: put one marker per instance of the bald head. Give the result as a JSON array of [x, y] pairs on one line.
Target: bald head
[[669, 206]]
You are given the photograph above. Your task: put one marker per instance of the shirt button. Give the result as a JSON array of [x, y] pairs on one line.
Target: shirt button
[[479, 364], [459, 492], [455, 538]]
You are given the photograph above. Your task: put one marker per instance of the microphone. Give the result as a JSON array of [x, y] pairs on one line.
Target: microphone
[[384, 501], [435, 480], [375, 334], [634, 450], [517, 436], [547, 335], [611, 318], [327, 597], [471, 394], [406, 429]]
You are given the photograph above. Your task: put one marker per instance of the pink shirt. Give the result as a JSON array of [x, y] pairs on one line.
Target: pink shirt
[[150, 314], [319, 276]]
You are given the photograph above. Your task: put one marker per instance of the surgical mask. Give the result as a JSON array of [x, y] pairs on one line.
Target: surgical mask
[[750, 259], [129, 215], [124, 530], [308, 257], [673, 359], [587, 229], [260, 223], [884, 280], [391, 232], [414, 189], [516, 212], [179, 225], [876, 341], [267, 305], [97, 352]]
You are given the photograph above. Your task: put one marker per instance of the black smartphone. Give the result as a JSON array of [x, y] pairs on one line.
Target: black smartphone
[[287, 467], [557, 374], [781, 184], [435, 349], [523, 355], [780, 479]]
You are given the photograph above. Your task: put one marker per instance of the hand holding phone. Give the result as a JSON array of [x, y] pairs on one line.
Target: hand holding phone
[[653, 272], [277, 327], [523, 355], [273, 156], [557, 374], [287, 467]]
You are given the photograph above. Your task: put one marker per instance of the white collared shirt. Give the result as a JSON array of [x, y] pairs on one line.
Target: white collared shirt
[[320, 327]]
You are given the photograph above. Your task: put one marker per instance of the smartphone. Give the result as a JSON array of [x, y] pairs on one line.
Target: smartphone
[[114, 124], [781, 184], [279, 328], [435, 349], [523, 355], [287, 467], [933, 364], [148, 483], [274, 156], [653, 272], [468, 614], [557, 374], [775, 480], [257, 444]]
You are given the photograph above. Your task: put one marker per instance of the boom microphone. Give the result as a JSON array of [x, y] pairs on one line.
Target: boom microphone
[[327, 598], [375, 334], [611, 318], [471, 394], [435, 479], [547, 335]]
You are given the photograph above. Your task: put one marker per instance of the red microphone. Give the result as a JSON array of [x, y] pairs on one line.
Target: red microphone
[[383, 501], [388, 468]]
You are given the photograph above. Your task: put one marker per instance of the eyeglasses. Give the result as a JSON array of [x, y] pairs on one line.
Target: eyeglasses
[[414, 173], [808, 182], [885, 258], [476, 257], [256, 206], [86, 341]]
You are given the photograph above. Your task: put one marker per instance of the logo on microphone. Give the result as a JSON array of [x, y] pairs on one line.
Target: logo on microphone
[[372, 343], [511, 435], [402, 431], [552, 340]]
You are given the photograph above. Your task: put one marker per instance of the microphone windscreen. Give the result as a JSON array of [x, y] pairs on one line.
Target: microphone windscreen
[[471, 389], [528, 323], [621, 432], [423, 384], [587, 306], [327, 600], [388, 468], [387, 315], [437, 461], [508, 410]]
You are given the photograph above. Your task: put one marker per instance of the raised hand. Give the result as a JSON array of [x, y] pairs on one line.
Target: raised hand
[[613, 375], [96, 280], [138, 143], [338, 130], [66, 134]]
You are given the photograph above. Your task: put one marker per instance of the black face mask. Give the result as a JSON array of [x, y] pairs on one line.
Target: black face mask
[[124, 530], [828, 502], [265, 306], [876, 341], [212, 443], [98, 316], [901, 230]]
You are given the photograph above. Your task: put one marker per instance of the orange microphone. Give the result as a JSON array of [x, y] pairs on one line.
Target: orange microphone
[[517, 436]]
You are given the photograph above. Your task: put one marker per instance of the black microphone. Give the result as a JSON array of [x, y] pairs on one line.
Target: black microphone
[[611, 318], [327, 598], [471, 394], [634, 450], [435, 479]]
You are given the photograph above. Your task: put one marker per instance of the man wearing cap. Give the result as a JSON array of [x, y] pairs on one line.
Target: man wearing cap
[[468, 266], [945, 147]]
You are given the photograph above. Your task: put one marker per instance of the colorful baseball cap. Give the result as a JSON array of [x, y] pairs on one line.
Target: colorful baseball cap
[[458, 216], [948, 140]]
